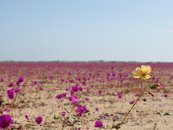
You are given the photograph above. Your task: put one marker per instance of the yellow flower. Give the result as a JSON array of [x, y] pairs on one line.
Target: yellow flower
[[142, 72]]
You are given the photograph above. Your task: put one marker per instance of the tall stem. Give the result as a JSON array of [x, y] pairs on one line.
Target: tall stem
[[142, 93], [134, 105]]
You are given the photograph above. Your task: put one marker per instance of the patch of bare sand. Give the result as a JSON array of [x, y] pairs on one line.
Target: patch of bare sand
[[151, 113]]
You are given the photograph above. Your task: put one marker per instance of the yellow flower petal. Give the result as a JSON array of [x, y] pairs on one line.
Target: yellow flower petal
[[146, 69], [137, 71], [142, 72], [147, 77]]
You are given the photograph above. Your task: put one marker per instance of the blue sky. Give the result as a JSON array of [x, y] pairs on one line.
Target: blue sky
[[81, 30]]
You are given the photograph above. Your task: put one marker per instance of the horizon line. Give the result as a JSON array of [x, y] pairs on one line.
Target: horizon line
[[85, 61]]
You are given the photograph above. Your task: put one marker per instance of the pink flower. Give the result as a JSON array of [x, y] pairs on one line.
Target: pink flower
[[11, 84], [74, 99], [38, 119], [20, 80], [99, 91], [86, 98], [60, 96], [5, 121], [63, 113], [120, 94], [10, 93], [80, 110], [75, 88], [165, 95], [17, 90], [98, 124]]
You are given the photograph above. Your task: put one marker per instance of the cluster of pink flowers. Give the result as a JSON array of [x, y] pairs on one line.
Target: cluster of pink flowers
[[82, 80], [73, 98], [11, 92]]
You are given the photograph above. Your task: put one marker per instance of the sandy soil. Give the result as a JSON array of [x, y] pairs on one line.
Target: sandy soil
[[150, 113]]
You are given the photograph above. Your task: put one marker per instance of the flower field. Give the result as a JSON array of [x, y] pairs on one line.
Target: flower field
[[86, 96]]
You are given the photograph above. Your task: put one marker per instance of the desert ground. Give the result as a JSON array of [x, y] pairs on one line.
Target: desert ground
[[74, 95]]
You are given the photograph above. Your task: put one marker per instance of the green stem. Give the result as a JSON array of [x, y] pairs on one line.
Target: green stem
[[133, 105], [131, 108]]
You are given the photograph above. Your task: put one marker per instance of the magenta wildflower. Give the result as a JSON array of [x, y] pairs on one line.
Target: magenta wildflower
[[1, 80], [35, 83], [66, 89], [81, 110], [86, 98], [83, 83], [80, 88], [71, 81], [113, 74], [60, 96], [17, 90], [38, 119], [120, 94], [5, 121], [74, 99], [78, 78], [99, 91], [20, 80], [63, 113], [10, 93], [98, 124], [165, 95], [75, 88], [11, 84]]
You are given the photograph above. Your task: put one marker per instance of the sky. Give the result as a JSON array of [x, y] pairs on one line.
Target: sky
[[86, 30]]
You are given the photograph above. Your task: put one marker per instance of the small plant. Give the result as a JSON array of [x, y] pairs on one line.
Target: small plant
[[142, 73]]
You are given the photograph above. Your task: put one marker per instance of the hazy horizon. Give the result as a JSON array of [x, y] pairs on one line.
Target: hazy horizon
[[84, 61], [90, 30]]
